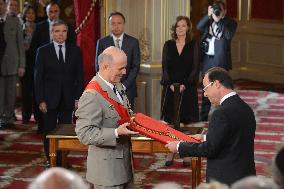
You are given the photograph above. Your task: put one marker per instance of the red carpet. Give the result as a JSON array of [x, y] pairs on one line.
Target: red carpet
[[22, 157]]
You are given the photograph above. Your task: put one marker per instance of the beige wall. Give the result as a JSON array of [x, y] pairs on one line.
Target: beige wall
[[257, 48]]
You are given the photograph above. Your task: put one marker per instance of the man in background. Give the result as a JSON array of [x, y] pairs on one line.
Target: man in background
[[129, 45], [58, 80], [229, 143], [12, 63], [217, 32]]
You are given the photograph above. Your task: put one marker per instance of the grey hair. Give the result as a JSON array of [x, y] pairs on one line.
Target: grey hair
[[212, 185], [58, 23], [58, 178], [255, 182], [167, 185], [104, 57]]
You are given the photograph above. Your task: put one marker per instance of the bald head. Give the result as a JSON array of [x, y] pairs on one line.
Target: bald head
[[112, 64], [58, 178]]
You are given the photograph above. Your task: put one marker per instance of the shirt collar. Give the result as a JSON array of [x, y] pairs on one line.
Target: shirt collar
[[56, 44], [227, 96], [108, 83], [120, 37]]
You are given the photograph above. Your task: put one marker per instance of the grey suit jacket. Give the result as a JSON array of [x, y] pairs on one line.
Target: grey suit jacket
[[109, 158], [14, 55]]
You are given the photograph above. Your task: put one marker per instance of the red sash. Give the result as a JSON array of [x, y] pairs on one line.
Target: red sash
[[120, 109]]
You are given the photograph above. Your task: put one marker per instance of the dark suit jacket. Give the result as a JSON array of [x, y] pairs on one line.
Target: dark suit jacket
[[130, 46], [55, 82], [41, 36], [229, 145], [222, 46]]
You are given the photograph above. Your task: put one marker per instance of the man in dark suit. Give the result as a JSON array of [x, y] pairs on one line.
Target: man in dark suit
[[217, 32], [129, 45], [41, 36], [229, 143], [58, 79]]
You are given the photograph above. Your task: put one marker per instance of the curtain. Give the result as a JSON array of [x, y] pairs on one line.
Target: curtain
[[87, 17]]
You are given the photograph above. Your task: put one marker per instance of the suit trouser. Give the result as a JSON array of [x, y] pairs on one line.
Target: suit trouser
[[51, 119], [7, 98]]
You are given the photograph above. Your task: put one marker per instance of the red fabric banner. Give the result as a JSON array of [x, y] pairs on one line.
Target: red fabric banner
[[88, 22]]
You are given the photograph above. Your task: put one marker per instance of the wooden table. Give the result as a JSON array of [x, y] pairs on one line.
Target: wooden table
[[65, 139]]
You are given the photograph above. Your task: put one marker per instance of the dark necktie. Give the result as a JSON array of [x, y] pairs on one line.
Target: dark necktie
[[61, 60], [115, 90]]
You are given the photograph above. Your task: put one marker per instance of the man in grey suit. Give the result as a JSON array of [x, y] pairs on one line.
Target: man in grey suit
[[129, 45], [12, 64], [102, 118]]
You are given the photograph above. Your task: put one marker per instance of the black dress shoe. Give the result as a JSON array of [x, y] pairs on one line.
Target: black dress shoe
[[186, 163], [169, 163]]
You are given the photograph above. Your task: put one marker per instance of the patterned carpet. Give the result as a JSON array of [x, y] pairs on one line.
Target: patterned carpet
[[22, 156]]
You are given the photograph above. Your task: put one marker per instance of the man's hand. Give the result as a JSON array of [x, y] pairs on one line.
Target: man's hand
[[172, 88], [197, 137], [43, 107], [122, 130], [172, 146], [210, 11], [21, 72], [181, 88]]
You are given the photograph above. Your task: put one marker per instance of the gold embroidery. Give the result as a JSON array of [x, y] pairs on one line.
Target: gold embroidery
[[168, 133]]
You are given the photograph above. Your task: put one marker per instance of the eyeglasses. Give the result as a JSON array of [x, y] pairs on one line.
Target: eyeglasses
[[205, 88]]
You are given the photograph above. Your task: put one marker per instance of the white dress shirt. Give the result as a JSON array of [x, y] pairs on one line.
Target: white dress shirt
[[120, 39], [63, 49]]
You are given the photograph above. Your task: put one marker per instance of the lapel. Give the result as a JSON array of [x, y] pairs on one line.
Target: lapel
[[67, 53], [106, 88], [124, 43], [110, 41], [53, 52]]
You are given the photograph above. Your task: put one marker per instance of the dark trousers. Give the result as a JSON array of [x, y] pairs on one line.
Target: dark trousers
[[51, 119]]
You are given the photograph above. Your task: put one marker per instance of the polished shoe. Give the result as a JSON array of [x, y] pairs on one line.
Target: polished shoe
[[169, 163], [186, 163]]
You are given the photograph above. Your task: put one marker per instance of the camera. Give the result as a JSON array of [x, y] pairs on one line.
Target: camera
[[216, 9], [204, 45]]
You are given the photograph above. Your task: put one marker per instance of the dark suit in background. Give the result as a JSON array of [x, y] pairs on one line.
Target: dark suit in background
[[222, 51], [229, 145], [58, 84], [41, 36], [130, 46]]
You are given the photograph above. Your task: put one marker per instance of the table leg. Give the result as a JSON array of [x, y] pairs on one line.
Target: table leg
[[196, 171], [52, 151], [193, 172]]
